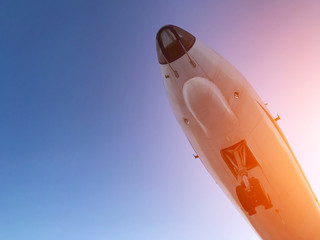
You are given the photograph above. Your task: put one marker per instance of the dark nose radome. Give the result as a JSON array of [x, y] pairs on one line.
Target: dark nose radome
[[172, 43]]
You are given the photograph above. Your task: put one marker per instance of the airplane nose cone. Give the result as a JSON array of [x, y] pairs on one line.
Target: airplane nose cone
[[172, 43]]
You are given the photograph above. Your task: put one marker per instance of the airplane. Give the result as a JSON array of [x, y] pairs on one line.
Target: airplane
[[236, 138]]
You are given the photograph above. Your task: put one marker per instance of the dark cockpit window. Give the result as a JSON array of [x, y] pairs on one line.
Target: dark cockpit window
[[186, 38], [173, 43]]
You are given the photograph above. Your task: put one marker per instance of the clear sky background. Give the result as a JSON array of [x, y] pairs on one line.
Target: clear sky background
[[89, 146]]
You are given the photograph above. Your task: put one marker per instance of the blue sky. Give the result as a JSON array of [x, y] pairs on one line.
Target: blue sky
[[90, 148]]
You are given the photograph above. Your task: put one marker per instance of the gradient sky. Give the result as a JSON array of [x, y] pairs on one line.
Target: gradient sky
[[90, 149]]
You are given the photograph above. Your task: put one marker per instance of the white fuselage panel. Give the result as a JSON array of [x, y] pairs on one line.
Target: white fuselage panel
[[217, 108]]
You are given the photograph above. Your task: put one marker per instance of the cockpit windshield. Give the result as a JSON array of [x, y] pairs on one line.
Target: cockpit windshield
[[172, 43]]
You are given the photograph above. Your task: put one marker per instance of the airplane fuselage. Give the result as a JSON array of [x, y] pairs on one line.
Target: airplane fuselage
[[236, 138]]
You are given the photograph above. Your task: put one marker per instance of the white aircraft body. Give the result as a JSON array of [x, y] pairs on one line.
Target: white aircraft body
[[236, 138]]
